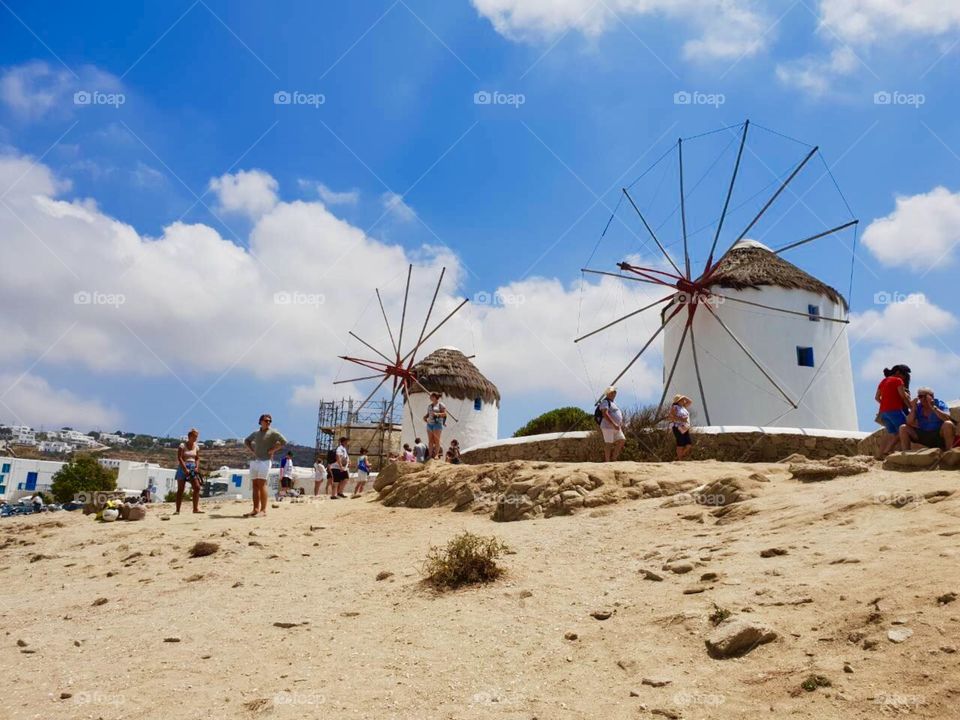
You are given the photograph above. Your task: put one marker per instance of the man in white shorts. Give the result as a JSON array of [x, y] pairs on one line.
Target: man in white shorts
[[263, 443], [611, 425]]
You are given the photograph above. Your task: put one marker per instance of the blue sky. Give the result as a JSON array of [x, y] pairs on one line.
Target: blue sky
[[185, 189]]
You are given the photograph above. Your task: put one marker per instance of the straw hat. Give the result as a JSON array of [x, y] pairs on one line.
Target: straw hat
[[609, 391], [677, 399]]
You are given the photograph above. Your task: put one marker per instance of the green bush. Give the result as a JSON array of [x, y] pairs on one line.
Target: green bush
[[172, 496], [467, 559], [565, 419], [80, 474]]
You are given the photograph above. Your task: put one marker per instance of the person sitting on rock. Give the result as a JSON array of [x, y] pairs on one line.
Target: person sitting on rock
[[929, 423]]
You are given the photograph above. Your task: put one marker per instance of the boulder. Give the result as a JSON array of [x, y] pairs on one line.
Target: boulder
[[913, 460], [950, 459], [838, 466], [738, 636], [135, 512]]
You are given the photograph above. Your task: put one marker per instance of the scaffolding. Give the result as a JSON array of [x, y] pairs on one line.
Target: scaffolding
[[376, 426]]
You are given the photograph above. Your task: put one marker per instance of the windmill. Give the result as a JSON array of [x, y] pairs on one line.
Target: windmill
[[747, 276], [398, 366]]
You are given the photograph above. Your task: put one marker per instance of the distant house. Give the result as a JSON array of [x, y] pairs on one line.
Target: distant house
[[22, 435], [54, 446], [111, 439]]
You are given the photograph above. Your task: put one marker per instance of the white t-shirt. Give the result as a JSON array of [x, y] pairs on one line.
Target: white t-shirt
[[319, 471], [682, 418], [286, 469], [343, 457], [615, 413]]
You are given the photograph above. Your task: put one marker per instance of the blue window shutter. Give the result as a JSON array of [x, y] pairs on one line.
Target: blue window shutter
[[814, 313], [31, 481], [805, 356], [478, 404]]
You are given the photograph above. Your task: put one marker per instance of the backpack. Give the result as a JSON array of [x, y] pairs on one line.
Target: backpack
[[598, 413], [331, 457]]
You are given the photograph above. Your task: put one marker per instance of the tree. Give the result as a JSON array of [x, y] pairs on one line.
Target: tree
[[565, 419], [81, 474], [94, 434], [141, 442]]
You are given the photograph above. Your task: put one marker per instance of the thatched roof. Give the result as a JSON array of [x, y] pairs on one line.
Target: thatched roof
[[750, 264], [448, 371]]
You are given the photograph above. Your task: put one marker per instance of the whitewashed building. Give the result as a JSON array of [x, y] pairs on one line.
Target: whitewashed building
[[470, 398], [20, 477], [806, 355]]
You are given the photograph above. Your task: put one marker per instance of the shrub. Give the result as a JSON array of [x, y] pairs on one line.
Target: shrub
[[815, 681], [646, 441], [565, 419], [81, 474], [171, 496], [203, 548], [467, 559], [719, 614]]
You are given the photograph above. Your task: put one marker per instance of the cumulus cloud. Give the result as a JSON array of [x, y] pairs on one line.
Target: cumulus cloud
[[815, 74], [111, 300], [866, 21], [248, 192], [920, 233], [726, 29], [912, 332], [31, 400], [394, 205], [36, 89]]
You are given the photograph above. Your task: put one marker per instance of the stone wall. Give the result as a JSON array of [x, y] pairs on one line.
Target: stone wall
[[741, 445]]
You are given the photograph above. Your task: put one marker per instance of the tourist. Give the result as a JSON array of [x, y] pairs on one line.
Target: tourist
[[435, 418], [929, 423], [188, 470], [263, 443], [611, 425], [894, 398], [331, 488], [319, 473], [363, 472], [286, 476], [419, 451], [408, 455], [680, 424], [341, 470], [454, 452]]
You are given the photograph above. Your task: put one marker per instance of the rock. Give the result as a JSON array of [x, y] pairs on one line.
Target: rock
[[664, 712], [738, 636], [100, 601], [171, 639], [708, 576], [679, 567], [650, 575], [847, 668], [946, 597], [655, 682], [627, 665], [66, 695], [634, 693], [384, 574], [570, 636], [948, 649], [838, 466], [870, 644], [21, 643], [695, 589], [899, 634], [524, 594], [772, 552], [913, 460], [950, 459], [603, 614]]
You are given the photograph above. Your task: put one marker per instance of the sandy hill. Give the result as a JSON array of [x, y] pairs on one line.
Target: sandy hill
[[604, 611]]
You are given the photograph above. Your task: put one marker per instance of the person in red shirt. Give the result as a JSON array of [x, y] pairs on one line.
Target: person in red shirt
[[894, 396]]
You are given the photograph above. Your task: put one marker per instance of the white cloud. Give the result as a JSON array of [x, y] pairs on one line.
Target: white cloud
[[393, 204], [727, 29], [866, 21], [248, 192], [816, 75], [31, 400], [331, 197], [36, 89], [145, 176], [912, 332], [921, 231]]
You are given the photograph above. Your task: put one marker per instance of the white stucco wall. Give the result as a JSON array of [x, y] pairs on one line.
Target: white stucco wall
[[736, 391], [474, 427]]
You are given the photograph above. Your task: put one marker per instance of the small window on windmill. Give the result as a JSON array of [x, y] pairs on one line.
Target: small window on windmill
[[813, 311], [804, 356], [478, 404]]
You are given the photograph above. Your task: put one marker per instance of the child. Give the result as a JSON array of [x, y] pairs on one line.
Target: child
[[680, 424], [893, 397], [319, 473], [363, 472], [408, 455]]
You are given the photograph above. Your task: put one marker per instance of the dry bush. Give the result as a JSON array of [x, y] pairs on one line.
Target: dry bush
[[203, 548], [467, 559]]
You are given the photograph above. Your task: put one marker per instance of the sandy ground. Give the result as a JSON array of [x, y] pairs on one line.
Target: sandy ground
[[393, 649]]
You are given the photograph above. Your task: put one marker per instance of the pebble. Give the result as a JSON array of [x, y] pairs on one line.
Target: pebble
[[655, 682], [603, 614], [847, 668], [570, 636], [772, 552], [650, 575], [899, 634]]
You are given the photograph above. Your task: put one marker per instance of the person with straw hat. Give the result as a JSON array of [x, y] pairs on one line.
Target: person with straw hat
[[611, 426], [680, 424]]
